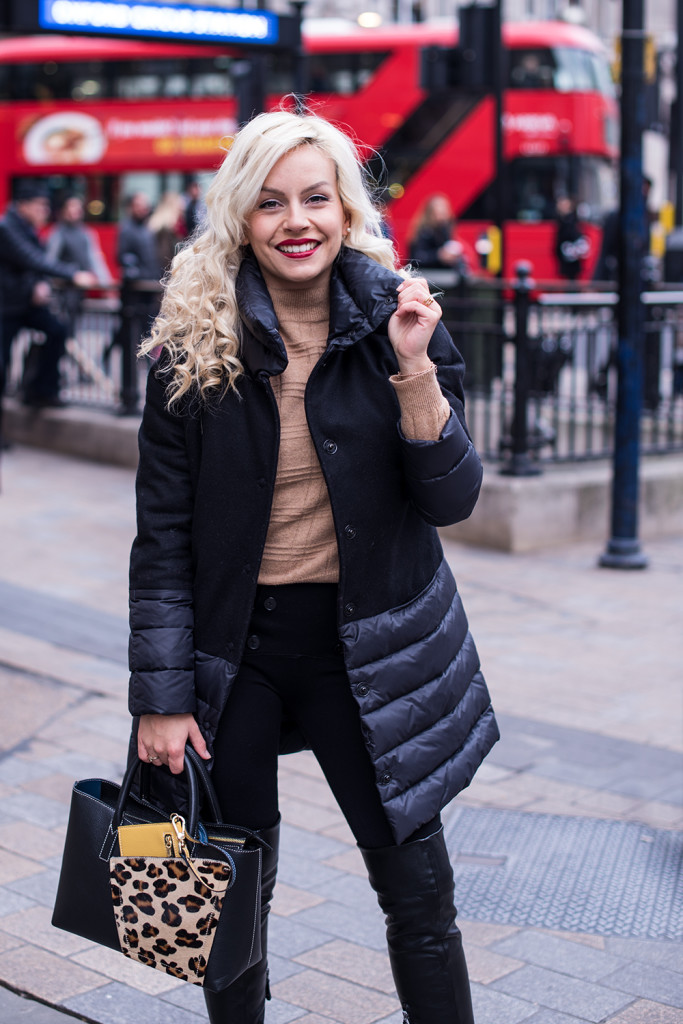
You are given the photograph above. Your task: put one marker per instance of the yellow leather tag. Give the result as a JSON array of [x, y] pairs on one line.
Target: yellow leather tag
[[156, 840]]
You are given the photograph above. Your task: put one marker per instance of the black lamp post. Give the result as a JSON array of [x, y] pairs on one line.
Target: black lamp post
[[623, 549]]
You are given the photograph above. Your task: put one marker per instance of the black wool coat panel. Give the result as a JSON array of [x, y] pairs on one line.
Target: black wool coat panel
[[205, 486]]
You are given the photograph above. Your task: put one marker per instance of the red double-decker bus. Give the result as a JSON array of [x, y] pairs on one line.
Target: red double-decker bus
[[105, 117]]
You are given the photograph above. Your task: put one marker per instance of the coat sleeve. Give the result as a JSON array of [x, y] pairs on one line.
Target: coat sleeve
[[444, 476], [20, 253], [161, 651]]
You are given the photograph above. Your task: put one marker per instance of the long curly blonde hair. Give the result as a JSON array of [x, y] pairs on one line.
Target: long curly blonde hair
[[198, 325]]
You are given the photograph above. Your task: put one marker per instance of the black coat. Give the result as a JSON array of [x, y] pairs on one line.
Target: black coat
[[24, 262], [137, 252], [424, 248], [205, 486]]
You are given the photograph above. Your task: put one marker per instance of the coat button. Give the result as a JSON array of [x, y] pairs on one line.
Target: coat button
[[253, 642], [329, 446], [350, 531], [385, 777], [349, 609], [270, 604], [362, 689]]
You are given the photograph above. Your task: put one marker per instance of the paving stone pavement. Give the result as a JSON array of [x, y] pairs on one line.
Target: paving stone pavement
[[584, 668]]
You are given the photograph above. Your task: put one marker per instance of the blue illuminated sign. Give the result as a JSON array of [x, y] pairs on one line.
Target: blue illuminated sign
[[186, 22]]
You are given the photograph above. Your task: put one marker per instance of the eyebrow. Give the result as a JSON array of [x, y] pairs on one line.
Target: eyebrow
[[309, 188]]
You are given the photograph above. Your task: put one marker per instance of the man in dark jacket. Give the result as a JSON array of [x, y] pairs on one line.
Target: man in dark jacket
[[141, 273], [137, 249], [25, 293]]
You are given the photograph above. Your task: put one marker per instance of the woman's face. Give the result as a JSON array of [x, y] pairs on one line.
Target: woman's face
[[298, 225], [440, 210]]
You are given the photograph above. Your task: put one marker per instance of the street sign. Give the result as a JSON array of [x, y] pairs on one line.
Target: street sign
[[150, 19]]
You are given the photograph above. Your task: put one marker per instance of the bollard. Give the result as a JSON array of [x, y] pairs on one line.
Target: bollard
[[519, 463]]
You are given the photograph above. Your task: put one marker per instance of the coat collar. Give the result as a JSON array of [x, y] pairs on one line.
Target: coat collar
[[362, 298]]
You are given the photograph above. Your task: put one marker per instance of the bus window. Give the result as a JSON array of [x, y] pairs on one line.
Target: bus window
[[152, 183], [574, 71], [563, 68], [534, 183], [96, 190], [596, 188], [213, 83], [581, 71], [531, 69], [602, 74], [139, 87], [342, 73]]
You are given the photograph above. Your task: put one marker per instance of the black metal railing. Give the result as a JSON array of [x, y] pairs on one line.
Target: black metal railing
[[541, 373], [541, 380], [101, 367]]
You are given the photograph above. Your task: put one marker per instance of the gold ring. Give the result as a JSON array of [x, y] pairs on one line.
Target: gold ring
[[428, 301]]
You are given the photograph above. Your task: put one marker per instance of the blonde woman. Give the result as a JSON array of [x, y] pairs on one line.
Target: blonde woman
[[302, 438]]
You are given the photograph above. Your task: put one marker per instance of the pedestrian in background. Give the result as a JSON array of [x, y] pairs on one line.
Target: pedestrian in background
[[167, 224], [25, 294], [70, 241], [434, 241], [195, 208], [137, 248], [303, 436], [571, 246], [141, 273]]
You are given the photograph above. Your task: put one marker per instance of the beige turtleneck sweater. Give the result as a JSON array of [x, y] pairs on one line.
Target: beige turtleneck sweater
[[301, 545]]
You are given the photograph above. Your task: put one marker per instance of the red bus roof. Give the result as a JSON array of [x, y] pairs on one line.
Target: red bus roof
[[339, 35], [319, 37], [35, 49]]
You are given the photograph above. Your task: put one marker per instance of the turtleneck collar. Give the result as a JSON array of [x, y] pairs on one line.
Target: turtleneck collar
[[305, 305]]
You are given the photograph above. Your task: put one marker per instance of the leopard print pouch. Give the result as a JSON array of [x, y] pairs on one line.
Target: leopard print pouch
[[167, 910]]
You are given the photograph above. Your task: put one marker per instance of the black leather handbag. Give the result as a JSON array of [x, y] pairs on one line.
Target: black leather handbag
[[209, 885]]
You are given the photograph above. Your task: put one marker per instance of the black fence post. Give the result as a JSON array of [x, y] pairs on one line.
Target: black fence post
[[130, 334], [519, 463]]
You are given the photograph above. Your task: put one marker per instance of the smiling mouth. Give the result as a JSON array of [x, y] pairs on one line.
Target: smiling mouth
[[297, 248]]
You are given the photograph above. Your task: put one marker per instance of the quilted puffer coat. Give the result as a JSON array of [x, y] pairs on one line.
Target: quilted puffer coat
[[205, 485]]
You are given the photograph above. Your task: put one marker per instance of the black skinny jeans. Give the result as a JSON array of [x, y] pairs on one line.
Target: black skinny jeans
[[293, 670]]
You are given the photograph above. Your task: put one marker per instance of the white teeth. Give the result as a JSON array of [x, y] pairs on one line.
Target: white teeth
[[304, 247]]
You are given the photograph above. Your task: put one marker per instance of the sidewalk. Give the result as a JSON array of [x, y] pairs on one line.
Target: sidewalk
[[567, 847]]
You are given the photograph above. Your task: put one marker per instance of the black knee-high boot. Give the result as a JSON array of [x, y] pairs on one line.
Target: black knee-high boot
[[244, 1002], [414, 886]]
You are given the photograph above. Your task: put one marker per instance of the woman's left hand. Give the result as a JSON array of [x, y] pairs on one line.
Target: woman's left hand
[[412, 325]]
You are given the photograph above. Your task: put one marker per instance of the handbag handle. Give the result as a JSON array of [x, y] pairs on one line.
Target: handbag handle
[[195, 772], [199, 766]]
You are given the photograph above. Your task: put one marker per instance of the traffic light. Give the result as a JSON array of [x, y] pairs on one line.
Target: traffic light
[[477, 46], [468, 67]]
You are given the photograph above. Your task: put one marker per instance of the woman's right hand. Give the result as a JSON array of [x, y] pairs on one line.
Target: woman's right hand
[[162, 740]]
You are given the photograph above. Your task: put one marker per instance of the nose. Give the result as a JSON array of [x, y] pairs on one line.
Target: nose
[[297, 218]]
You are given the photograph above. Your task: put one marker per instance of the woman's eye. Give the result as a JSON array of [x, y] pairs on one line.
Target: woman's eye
[[268, 204], [318, 199]]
